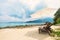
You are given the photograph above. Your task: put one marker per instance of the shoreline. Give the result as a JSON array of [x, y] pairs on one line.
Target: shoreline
[[24, 33], [27, 33], [23, 26]]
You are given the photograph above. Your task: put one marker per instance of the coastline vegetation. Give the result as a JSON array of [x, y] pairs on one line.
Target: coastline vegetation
[[56, 34], [57, 17]]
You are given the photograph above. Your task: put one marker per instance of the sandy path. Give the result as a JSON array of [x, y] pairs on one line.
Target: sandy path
[[22, 34]]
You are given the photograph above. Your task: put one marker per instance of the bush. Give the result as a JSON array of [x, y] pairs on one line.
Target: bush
[[58, 20], [56, 33]]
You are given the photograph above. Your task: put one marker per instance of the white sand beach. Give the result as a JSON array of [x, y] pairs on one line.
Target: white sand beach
[[30, 33]]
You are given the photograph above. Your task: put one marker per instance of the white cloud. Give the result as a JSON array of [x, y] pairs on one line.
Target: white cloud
[[53, 3], [12, 1], [6, 18], [19, 8], [30, 3], [3, 1], [47, 12]]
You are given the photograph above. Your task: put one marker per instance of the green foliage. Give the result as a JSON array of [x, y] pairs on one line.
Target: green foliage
[[55, 32], [58, 21], [57, 17]]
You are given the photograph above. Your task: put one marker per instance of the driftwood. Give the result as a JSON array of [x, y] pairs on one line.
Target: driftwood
[[42, 30]]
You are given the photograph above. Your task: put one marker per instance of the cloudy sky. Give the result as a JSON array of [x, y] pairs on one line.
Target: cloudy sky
[[21, 10]]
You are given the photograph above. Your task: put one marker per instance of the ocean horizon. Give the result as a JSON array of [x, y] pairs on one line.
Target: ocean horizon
[[34, 22], [5, 24]]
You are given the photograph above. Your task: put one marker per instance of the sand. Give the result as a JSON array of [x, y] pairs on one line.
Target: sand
[[30, 33]]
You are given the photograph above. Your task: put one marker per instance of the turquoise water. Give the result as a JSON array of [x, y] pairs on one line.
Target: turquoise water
[[15, 24]]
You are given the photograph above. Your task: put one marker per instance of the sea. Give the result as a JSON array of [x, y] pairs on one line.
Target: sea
[[5, 24]]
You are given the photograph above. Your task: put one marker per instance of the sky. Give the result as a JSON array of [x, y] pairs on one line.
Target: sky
[[21, 10]]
